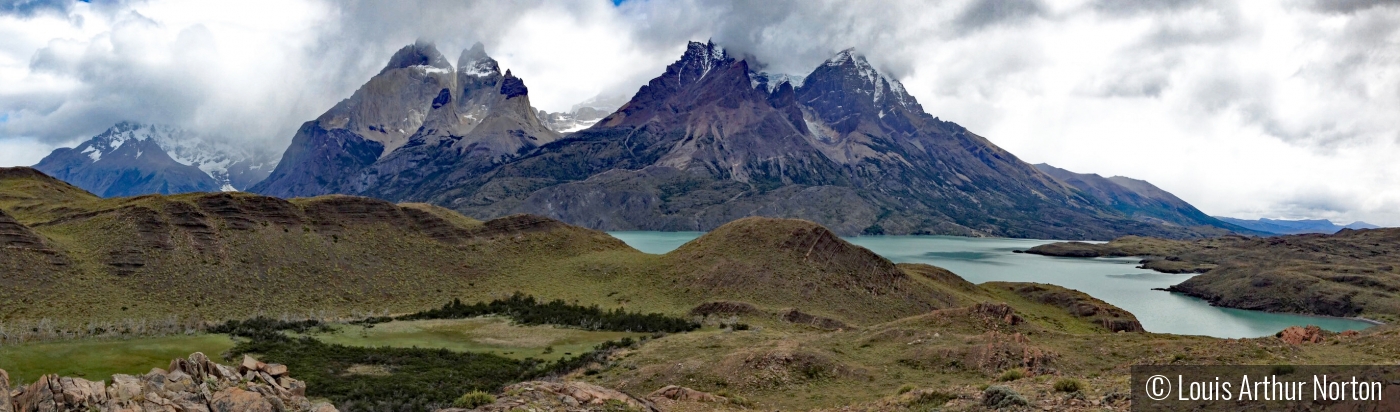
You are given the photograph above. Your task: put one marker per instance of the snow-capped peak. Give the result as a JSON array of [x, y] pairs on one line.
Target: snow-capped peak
[[212, 156], [475, 62], [703, 56], [877, 80], [112, 139]]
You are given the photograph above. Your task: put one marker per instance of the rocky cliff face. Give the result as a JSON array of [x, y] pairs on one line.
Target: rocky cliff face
[[132, 159], [417, 120], [191, 385], [710, 141]]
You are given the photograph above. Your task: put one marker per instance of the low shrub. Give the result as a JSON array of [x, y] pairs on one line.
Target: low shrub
[[473, 400], [1011, 375], [1001, 397], [929, 399], [1069, 385]]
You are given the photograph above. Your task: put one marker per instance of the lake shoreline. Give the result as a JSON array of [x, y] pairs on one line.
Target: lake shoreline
[[1114, 280]]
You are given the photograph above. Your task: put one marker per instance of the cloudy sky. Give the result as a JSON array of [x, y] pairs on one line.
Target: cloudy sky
[[1278, 108]]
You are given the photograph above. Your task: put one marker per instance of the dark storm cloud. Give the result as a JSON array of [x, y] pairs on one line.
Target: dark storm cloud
[[984, 13]]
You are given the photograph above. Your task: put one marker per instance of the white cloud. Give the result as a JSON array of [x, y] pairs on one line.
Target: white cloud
[[1245, 108]]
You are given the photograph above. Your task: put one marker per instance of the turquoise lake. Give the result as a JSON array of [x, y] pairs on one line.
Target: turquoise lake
[[1114, 280]]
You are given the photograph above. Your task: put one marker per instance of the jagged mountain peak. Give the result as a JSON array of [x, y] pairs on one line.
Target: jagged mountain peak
[[420, 53], [699, 59], [115, 136], [475, 62], [512, 86], [852, 65]]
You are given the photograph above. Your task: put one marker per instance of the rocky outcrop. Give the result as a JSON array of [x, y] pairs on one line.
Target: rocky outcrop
[[801, 318], [562, 396], [6, 404], [1298, 335], [684, 394], [724, 308], [194, 384], [1076, 303], [14, 235]]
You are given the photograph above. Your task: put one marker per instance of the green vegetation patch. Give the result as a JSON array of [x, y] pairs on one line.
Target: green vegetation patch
[[100, 359], [399, 379], [527, 311], [485, 334]]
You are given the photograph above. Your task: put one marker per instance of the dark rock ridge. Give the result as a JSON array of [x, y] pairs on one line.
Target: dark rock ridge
[[1139, 200], [416, 124], [189, 385], [707, 142], [131, 159]]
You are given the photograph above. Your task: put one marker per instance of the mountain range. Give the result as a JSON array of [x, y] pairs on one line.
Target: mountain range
[[132, 159], [1295, 227], [708, 141]]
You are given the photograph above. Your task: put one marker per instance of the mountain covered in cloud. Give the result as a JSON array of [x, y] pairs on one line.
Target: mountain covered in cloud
[[419, 120], [711, 140], [708, 141], [583, 115], [131, 159], [1296, 227]]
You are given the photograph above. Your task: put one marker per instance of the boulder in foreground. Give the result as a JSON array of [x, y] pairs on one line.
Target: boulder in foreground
[[192, 384]]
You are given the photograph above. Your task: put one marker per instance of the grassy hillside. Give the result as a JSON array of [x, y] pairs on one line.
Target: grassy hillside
[[825, 323], [78, 258]]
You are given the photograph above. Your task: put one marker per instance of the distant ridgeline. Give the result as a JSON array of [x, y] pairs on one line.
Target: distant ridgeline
[[1295, 227]]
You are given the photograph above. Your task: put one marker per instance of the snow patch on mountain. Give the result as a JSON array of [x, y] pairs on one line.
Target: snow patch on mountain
[[877, 80], [212, 156], [433, 69], [772, 81]]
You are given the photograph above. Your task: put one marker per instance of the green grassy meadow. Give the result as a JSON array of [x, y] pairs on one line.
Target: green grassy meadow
[[494, 335], [100, 359]]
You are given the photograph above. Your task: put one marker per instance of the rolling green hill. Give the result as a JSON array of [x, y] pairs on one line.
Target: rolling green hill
[[72, 256]]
